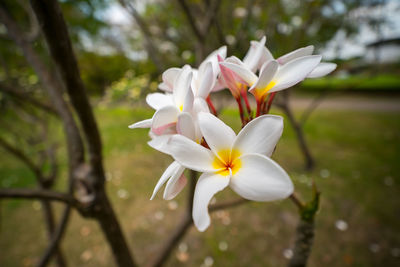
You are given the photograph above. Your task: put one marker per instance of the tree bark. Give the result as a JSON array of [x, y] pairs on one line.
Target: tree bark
[[303, 244], [55, 30]]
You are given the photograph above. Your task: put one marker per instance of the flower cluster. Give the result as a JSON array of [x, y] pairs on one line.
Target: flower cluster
[[186, 127]]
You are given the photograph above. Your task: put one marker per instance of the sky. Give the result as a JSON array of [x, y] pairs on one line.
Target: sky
[[340, 46]]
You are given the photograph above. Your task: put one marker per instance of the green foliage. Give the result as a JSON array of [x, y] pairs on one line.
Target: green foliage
[[129, 88], [99, 71]]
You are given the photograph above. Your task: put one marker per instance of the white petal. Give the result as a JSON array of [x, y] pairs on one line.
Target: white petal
[[188, 102], [253, 59], [165, 87], [175, 184], [294, 72], [190, 154], [266, 56], [158, 100], [260, 135], [168, 78], [301, 52], [261, 179], [141, 124], [182, 85], [217, 134], [200, 105], [163, 118], [160, 143], [243, 72], [185, 125], [207, 80], [322, 69], [171, 169], [266, 74], [207, 186]]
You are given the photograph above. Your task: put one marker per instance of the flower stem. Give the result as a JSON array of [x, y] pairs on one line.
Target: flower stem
[[211, 105], [239, 102], [269, 104]]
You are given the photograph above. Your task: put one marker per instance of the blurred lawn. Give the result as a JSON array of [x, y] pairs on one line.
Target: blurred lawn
[[376, 82], [357, 171]]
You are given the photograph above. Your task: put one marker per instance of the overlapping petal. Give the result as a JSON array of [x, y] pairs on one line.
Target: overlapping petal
[[267, 73], [260, 135], [171, 169], [294, 72], [217, 134], [175, 184], [158, 100], [322, 69], [301, 52], [164, 118], [207, 186], [190, 154], [185, 125], [261, 179], [168, 78], [141, 124], [242, 71]]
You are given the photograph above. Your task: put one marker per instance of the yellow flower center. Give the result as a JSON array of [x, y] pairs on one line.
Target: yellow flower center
[[227, 160], [181, 107], [269, 86]]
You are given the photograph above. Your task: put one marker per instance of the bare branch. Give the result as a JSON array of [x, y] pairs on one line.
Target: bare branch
[[42, 194], [34, 31], [297, 201], [151, 49], [21, 156], [55, 30], [196, 30], [56, 238], [25, 97], [211, 13], [181, 229], [52, 85], [227, 204]]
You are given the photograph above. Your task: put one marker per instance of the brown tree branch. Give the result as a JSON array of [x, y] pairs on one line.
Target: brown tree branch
[[284, 105], [152, 51], [53, 87], [55, 30], [192, 22], [22, 157], [181, 229], [49, 218], [56, 238], [25, 97], [42, 194]]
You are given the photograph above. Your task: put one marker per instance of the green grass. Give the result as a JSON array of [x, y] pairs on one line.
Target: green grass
[[381, 82], [357, 152]]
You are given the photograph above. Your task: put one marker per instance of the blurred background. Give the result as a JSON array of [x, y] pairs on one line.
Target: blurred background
[[349, 119]]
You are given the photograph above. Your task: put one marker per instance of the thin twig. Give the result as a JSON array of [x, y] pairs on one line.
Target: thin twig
[[192, 22], [38, 194], [29, 99], [300, 204], [21, 156], [56, 238]]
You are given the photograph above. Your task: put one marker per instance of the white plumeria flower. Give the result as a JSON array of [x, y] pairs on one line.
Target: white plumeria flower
[[257, 55], [240, 161], [274, 77], [322, 69], [187, 125], [213, 59], [169, 106]]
